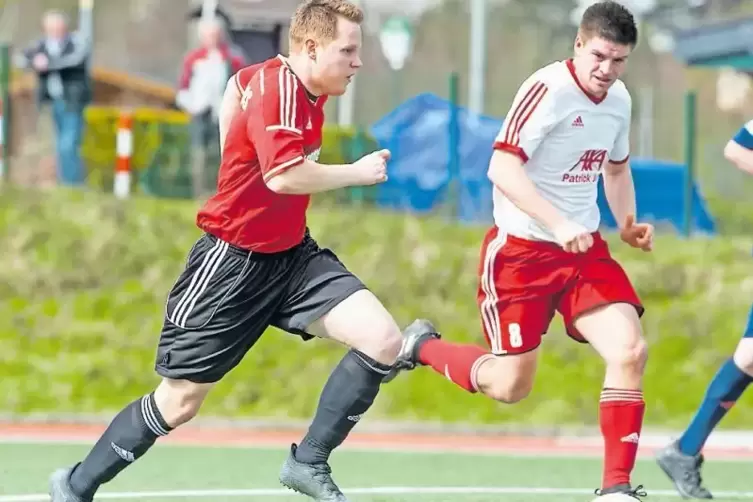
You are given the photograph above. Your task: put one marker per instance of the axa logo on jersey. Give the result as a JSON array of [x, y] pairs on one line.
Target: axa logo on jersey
[[588, 167]]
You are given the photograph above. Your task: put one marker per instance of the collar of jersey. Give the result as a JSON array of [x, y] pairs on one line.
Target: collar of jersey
[[313, 98], [595, 99]]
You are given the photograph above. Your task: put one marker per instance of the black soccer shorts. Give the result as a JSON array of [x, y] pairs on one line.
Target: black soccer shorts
[[226, 297]]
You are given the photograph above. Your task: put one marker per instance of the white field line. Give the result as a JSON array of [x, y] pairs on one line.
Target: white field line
[[396, 490]]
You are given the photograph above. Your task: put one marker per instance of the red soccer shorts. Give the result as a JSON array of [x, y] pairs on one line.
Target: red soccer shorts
[[523, 282]]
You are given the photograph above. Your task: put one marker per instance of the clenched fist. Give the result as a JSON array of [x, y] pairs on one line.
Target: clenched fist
[[637, 235], [372, 168], [573, 238]]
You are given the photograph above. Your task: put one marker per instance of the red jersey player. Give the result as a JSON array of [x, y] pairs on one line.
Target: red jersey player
[[257, 266], [568, 125]]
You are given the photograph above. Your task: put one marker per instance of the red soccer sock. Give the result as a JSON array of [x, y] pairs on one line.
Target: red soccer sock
[[457, 362], [621, 418]]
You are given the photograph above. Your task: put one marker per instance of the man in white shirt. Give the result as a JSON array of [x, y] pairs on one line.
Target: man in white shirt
[[203, 78], [569, 124]]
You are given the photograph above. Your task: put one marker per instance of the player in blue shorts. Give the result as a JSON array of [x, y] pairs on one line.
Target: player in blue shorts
[[682, 459]]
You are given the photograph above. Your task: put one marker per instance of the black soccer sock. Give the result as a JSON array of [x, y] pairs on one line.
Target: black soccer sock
[[130, 434], [348, 394]]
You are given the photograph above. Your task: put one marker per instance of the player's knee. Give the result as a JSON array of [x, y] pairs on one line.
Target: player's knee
[[743, 356], [383, 343], [179, 400], [632, 356]]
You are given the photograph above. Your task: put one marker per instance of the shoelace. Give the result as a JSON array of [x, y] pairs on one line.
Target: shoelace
[[636, 492], [693, 476]]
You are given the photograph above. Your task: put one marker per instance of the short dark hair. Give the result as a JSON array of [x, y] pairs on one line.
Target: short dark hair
[[611, 21]]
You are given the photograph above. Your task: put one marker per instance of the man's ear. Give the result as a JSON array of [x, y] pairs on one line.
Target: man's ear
[[579, 43], [310, 47]]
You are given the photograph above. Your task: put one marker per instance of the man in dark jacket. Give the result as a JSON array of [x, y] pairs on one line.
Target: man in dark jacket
[[60, 60]]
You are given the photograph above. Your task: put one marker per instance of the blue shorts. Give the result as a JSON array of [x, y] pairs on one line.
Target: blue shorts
[[749, 328]]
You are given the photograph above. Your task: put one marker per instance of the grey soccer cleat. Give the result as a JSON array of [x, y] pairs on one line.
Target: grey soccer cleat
[[684, 471], [60, 488], [624, 489], [314, 480], [418, 332]]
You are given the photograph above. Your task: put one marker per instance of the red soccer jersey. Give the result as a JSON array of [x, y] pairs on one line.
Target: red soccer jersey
[[280, 124]]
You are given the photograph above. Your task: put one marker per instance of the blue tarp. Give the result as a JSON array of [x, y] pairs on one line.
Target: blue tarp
[[418, 134]]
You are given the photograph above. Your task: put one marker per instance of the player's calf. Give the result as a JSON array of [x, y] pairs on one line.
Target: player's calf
[[614, 331], [507, 379], [473, 368], [128, 437], [361, 322]]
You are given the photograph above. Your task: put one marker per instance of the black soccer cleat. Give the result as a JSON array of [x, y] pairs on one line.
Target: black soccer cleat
[[314, 480], [684, 471], [622, 489], [60, 487], [418, 332]]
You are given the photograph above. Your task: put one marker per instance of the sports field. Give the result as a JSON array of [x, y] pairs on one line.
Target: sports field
[[232, 465]]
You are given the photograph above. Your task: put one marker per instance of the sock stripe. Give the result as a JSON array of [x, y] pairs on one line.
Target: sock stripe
[[620, 391], [474, 369], [150, 417], [159, 419], [621, 395]]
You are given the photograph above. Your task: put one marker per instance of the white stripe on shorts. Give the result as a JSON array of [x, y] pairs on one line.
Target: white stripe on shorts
[[199, 282]]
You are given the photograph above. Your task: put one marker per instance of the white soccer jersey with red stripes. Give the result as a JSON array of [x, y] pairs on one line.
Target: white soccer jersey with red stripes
[[565, 137]]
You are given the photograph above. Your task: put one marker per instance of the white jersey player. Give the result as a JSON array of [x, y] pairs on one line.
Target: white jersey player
[[568, 127], [566, 136]]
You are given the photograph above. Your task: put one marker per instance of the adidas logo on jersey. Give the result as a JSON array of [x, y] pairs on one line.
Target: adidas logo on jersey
[[578, 122]]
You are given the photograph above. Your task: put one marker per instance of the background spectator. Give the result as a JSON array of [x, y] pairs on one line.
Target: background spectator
[[204, 76], [60, 60]]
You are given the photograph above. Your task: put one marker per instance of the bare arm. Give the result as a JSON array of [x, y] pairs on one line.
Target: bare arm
[[620, 190], [311, 177], [230, 107], [740, 156], [508, 175]]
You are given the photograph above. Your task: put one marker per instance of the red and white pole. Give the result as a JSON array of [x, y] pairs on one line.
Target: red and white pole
[[124, 149]]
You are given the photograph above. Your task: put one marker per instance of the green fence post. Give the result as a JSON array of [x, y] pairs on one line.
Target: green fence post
[[357, 150], [5, 111], [690, 145]]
